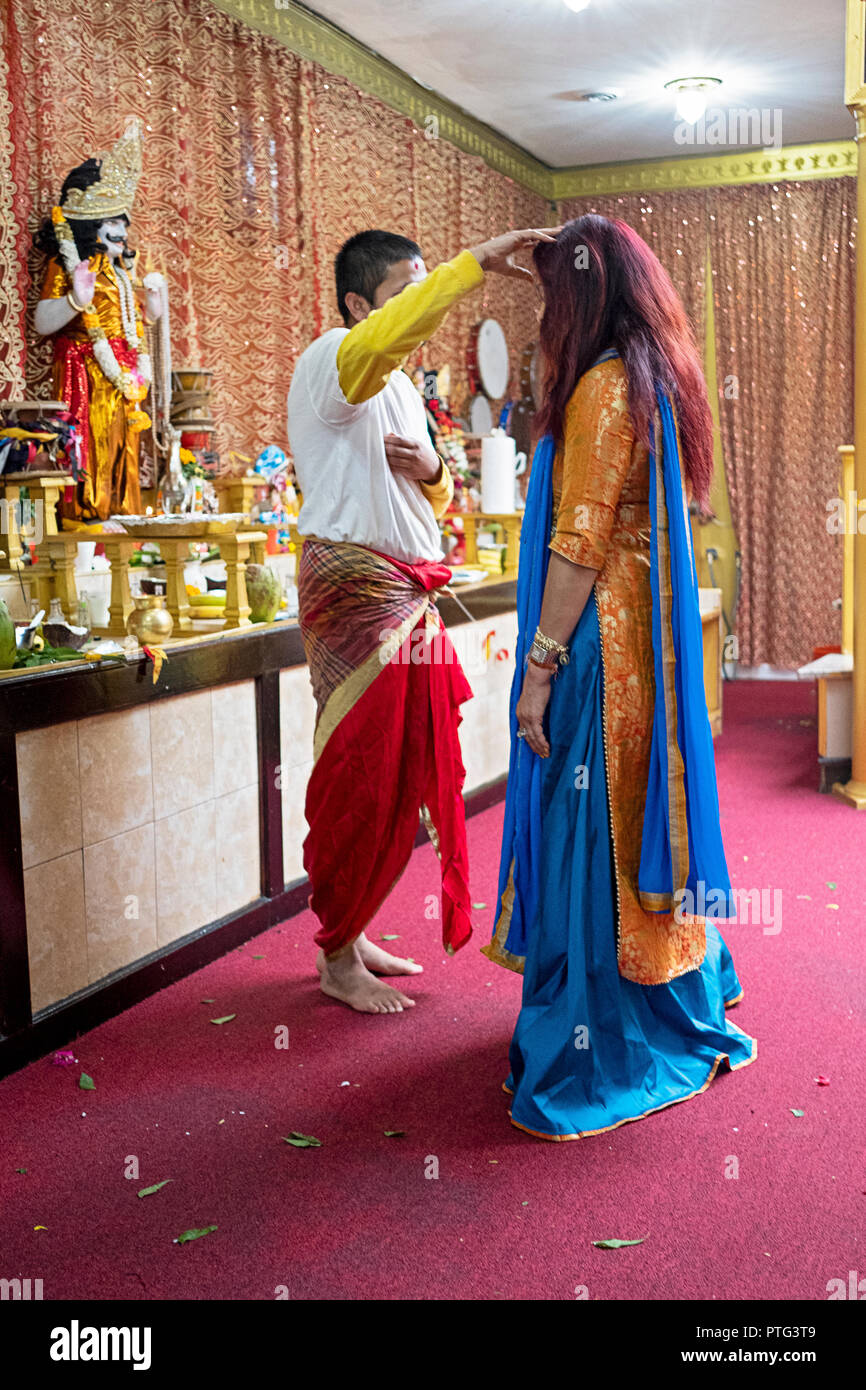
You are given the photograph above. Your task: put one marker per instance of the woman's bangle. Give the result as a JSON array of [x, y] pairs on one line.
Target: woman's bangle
[[552, 667], [551, 647]]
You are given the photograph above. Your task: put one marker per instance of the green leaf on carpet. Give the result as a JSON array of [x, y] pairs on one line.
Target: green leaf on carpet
[[479, 907], [395, 1133], [194, 1234], [798, 1113], [389, 936], [208, 1001], [86, 1083], [226, 1018], [258, 957], [302, 1141], [20, 1170], [618, 1244], [831, 885], [146, 1191]]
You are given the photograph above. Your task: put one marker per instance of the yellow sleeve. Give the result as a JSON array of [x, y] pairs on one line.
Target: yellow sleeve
[[439, 494], [372, 350], [56, 282], [597, 447]]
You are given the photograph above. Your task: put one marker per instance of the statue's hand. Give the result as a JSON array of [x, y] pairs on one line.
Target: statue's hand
[[83, 283]]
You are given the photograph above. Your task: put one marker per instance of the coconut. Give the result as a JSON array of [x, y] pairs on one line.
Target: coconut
[[263, 593], [8, 649]]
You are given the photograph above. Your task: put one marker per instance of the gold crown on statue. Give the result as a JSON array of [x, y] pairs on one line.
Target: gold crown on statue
[[114, 191]]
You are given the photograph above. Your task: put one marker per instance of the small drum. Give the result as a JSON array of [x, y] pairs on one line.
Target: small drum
[[520, 424], [480, 415], [491, 359], [190, 398], [487, 361]]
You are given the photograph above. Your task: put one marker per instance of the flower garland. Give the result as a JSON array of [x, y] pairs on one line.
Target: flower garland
[[132, 384]]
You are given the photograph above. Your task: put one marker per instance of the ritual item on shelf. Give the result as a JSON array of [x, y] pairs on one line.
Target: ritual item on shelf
[[38, 436], [480, 416], [190, 404], [150, 621], [263, 592], [189, 526], [488, 369], [59, 632], [520, 420], [90, 305], [8, 647], [446, 432], [280, 508], [501, 466]]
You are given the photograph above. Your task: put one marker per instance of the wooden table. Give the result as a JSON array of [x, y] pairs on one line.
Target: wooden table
[[237, 548], [44, 489]]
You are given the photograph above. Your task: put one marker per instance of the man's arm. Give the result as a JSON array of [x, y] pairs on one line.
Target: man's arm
[[374, 348]]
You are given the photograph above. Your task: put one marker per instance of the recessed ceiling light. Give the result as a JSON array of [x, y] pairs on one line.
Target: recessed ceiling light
[[691, 94], [604, 94], [577, 5]]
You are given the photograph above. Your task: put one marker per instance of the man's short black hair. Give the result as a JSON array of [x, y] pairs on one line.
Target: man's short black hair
[[363, 262]]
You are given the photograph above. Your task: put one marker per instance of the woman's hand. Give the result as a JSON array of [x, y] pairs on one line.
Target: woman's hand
[[534, 698]]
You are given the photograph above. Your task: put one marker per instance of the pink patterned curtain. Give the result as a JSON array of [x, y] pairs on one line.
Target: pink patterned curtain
[[783, 272], [257, 165], [675, 225]]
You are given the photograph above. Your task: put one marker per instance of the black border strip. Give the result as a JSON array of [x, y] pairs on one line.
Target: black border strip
[[34, 701]]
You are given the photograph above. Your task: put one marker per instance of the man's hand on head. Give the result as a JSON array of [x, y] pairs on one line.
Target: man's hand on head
[[413, 458], [498, 253]]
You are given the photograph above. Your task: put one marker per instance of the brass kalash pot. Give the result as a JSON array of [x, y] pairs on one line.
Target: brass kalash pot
[[150, 621]]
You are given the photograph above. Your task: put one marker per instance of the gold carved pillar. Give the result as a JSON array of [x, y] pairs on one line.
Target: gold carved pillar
[[853, 793]]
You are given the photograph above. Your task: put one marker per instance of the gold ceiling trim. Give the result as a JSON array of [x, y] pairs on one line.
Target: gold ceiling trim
[[320, 42], [829, 159], [313, 38]]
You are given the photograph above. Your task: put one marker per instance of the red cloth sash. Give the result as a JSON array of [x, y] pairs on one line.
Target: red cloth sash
[[386, 738], [76, 383]]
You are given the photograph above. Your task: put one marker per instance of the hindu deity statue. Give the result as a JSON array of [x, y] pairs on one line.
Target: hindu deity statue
[[92, 304]]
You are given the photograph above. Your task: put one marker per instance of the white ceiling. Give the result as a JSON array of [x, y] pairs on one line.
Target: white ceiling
[[505, 61]]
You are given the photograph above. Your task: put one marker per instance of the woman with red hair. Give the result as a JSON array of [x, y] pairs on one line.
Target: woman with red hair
[[613, 868]]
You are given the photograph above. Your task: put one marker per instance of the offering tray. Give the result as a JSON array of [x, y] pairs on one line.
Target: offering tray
[[186, 525]]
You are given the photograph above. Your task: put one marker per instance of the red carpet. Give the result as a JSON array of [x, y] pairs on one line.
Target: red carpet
[[508, 1217]]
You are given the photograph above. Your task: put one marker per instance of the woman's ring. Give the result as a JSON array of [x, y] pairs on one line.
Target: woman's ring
[[521, 733]]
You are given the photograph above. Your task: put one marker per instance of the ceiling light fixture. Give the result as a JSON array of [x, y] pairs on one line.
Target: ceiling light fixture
[[604, 94], [691, 94], [577, 5]]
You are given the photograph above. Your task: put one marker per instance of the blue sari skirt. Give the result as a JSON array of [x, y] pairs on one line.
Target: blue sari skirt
[[592, 1050]]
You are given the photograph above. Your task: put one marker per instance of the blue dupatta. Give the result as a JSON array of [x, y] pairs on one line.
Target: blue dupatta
[[682, 857], [682, 862]]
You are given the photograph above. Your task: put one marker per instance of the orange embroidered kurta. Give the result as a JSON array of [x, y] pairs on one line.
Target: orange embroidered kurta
[[111, 482], [602, 520]]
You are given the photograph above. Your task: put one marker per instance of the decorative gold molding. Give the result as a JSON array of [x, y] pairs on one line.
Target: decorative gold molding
[[855, 54], [831, 159], [313, 38]]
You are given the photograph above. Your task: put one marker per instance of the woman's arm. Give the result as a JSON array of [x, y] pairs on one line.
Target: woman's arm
[[566, 591], [597, 448]]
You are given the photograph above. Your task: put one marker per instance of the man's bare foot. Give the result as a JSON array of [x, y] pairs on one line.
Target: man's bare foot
[[380, 962], [347, 978]]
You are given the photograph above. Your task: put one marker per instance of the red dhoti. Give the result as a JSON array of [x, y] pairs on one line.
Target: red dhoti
[[388, 689]]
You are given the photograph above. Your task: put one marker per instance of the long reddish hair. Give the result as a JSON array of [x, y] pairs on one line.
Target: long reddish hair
[[604, 288]]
